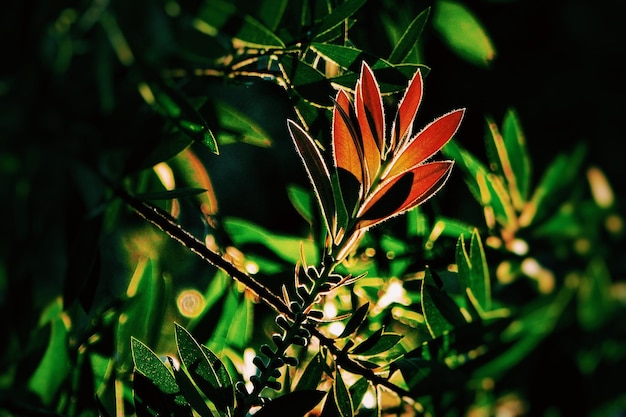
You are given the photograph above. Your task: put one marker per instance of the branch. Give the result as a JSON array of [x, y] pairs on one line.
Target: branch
[[175, 231]]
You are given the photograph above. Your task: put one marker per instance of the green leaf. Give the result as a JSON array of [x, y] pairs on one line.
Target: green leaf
[[307, 81], [474, 272], [312, 375], [555, 182], [170, 194], [223, 377], [189, 391], [173, 104], [509, 159], [286, 247], [375, 345], [218, 17], [391, 79], [293, 404], [142, 318], [357, 392], [202, 372], [409, 38], [355, 320], [55, 364], [440, 312], [479, 283], [515, 143], [341, 396], [302, 201], [486, 187], [236, 126], [271, 12], [463, 33], [347, 57], [336, 18], [149, 365]]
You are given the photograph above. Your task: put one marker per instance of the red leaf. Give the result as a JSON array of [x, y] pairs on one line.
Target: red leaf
[[426, 180], [402, 127], [426, 143], [369, 111], [317, 171]]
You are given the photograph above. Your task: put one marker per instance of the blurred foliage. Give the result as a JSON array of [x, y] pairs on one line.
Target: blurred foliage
[[502, 294]]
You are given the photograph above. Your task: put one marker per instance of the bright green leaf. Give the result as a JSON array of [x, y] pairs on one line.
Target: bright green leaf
[[382, 344], [463, 33], [286, 247], [55, 364]]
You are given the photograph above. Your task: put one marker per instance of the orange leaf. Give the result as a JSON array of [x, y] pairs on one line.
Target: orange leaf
[[404, 192], [402, 127], [347, 149], [426, 143]]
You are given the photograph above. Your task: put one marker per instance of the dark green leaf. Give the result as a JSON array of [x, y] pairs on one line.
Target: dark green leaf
[[357, 392], [377, 343], [270, 12], [307, 81], [440, 311], [336, 18], [200, 368], [149, 365], [293, 404], [391, 79], [355, 320], [189, 391], [173, 104], [463, 33], [555, 182], [409, 38], [221, 17], [223, 377], [312, 375], [341, 396]]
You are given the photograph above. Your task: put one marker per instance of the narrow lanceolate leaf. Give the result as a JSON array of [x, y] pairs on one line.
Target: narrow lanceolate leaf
[[479, 278], [370, 108], [200, 370], [318, 172], [371, 148], [347, 150], [504, 162], [409, 38], [342, 396], [337, 17], [515, 143], [404, 191], [402, 127], [427, 142]]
